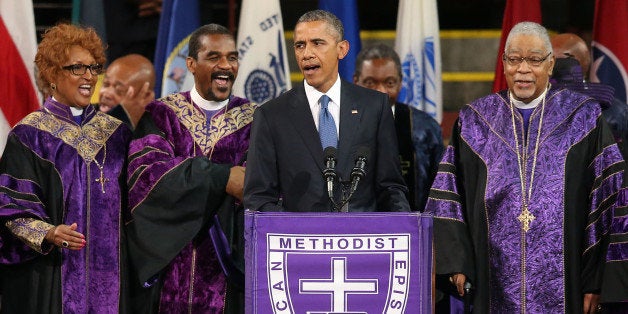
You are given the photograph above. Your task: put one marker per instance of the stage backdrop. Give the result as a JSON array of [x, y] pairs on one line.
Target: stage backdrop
[[338, 262]]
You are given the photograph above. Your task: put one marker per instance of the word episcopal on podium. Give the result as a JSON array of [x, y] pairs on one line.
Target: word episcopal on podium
[[328, 263]]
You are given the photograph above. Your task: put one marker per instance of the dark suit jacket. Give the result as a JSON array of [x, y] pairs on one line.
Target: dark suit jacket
[[285, 159], [119, 113]]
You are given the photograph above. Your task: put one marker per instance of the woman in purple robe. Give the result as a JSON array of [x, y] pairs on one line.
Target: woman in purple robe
[[61, 185]]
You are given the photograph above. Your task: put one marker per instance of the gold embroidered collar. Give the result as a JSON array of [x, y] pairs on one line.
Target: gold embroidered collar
[[88, 139], [222, 123]]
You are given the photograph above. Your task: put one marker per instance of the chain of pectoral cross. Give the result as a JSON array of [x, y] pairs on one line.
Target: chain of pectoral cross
[[526, 217], [102, 180]]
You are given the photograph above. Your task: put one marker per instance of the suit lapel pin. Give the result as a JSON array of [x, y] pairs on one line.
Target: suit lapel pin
[[354, 111]]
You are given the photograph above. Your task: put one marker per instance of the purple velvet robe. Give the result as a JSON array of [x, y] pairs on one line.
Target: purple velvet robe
[[175, 190], [476, 200], [48, 176]]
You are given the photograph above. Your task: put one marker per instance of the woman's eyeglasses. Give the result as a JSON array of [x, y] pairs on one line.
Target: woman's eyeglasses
[[80, 69]]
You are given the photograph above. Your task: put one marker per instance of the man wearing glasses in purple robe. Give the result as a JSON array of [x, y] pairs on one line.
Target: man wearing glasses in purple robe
[[524, 197]]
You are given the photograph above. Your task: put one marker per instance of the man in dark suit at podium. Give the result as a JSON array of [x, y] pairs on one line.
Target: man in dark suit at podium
[[290, 133]]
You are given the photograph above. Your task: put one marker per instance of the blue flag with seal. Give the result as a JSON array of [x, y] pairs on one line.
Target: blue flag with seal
[[347, 12], [179, 18], [418, 46], [263, 72]]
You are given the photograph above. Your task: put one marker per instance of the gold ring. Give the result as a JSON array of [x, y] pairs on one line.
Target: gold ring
[[65, 244]]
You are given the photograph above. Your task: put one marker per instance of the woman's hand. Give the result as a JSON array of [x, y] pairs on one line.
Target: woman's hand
[[66, 237]]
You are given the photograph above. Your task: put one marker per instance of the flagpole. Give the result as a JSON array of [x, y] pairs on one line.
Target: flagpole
[[231, 7]]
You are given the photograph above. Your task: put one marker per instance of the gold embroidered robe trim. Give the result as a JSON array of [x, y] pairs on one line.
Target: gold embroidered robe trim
[[222, 124], [31, 231], [87, 140]]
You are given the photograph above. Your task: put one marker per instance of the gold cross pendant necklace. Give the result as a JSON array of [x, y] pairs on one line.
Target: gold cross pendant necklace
[[526, 217], [102, 180]]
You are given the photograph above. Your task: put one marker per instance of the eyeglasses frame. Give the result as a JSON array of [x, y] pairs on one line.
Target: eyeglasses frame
[[526, 59], [73, 68]]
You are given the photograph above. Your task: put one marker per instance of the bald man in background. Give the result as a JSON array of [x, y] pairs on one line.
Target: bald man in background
[[127, 88], [569, 48], [570, 45]]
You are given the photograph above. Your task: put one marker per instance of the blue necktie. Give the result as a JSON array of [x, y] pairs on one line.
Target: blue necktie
[[326, 125]]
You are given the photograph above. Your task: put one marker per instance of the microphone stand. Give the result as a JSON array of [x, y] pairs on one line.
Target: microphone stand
[[357, 173], [345, 198]]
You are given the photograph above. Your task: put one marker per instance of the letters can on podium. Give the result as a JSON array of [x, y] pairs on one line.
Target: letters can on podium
[[327, 263]]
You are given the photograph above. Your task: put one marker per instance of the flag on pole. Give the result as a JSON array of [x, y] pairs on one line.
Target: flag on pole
[[179, 18], [516, 11], [18, 90], [610, 46], [347, 12], [263, 71], [418, 45]]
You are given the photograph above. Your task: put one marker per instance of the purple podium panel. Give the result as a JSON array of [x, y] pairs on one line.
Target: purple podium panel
[[324, 263]]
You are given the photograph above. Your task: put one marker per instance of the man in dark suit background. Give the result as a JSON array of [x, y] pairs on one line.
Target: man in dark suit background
[[286, 158], [419, 136]]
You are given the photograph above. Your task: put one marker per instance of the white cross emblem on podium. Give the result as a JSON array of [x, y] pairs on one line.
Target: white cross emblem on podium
[[339, 286]]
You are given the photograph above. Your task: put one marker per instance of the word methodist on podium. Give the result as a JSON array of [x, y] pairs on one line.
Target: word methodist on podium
[[330, 263]]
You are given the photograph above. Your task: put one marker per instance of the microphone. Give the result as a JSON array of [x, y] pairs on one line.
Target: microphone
[[358, 172], [468, 289], [329, 173]]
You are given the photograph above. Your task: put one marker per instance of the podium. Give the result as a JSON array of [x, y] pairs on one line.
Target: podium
[[324, 263]]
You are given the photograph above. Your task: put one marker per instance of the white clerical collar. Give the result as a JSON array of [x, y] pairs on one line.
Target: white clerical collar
[[314, 95], [205, 104], [532, 104], [75, 111]]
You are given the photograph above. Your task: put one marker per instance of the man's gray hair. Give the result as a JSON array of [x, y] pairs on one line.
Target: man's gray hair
[[327, 17], [530, 28]]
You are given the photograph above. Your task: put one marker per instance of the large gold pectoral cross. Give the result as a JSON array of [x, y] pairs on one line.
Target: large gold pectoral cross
[[102, 180], [526, 218]]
